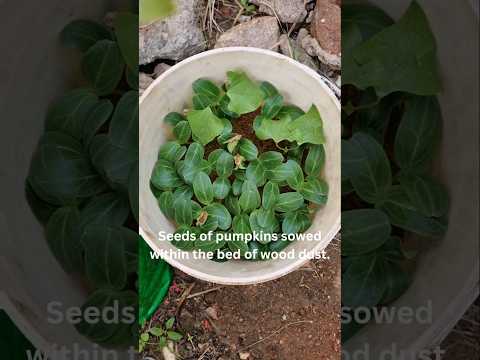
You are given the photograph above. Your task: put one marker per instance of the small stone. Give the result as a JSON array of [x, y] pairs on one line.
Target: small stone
[[312, 47], [144, 82], [288, 11], [284, 317], [326, 26], [244, 355], [262, 32], [293, 49], [160, 69], [175, 38]]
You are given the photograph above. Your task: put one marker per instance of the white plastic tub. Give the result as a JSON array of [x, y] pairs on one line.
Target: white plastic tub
[[173, 90], [447, 274]]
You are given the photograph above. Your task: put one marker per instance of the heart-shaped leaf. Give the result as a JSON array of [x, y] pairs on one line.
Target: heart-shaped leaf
[[103, 66], [221, 188], [244, 94], [315, 160], [289, 201], [203, 188], [124, 125], [208, 90], [221, 214], [205, 125], [272, 106], [225, 164], [364, 230]]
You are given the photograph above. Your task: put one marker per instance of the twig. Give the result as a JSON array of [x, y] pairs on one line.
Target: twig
[[277, 332], [183, 298], [204, 292]]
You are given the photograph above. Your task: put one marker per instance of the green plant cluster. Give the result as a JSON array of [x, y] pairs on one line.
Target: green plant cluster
[[83, 178], [161, 334], [391, 130], [238, 188]]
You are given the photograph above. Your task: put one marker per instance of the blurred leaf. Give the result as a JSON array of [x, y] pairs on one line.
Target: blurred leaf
[[126, 32], [83, 34], [153, 10]]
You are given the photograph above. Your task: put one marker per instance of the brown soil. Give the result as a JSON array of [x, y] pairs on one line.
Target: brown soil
[[244, 126], [295, 317]]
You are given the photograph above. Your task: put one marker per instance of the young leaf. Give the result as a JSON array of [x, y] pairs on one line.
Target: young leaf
[[247, 149], [173, 118], [428, 196], [96, 118], [186, 244], [289, 201], [221, 214], [165, 202], [208, 90], [315, 190], [271, 192], [225, 164], [63, 237], [124, 125], [126, 28], [295, 222], [375, 62], [363, 231], [244, 94], [272, 106], [169, 151], [418, 133], [256, 173], [232, 204], [213, 157], [103, 66], [315, 160], [221, 188], [271, 159], [172, 335], [295, 174], [182, 132], [237, 187], [241, 225], [268, 89], [155, 331], [83, 34], [164, 176], [184, 190], [183, 211], [279, 174], [205, 125], [203, 188], [107, 209], [250, 197], [194, 153]]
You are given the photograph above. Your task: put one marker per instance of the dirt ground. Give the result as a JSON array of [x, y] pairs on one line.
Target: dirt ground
[[295, 317]]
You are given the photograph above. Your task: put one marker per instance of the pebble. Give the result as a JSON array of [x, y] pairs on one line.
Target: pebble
[[288, 11]]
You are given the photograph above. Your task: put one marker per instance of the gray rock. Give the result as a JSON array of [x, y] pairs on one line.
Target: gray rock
[[144, 82], [293, 49], [160, 69], [288, 11], [313, 48], [262, 32], [174, 38]]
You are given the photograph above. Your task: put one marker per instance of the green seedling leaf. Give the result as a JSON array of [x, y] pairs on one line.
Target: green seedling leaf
[[165, 202], [315, 161], [244, 94], [183, 211], [182, 132], [237, 187], [97, 117], [69, 113], [271, 193], [272, 106], [296, 222], [126, 30], [428, 197], [171, 151], [271, 159], [295, 174], [279, 174], [155, 331], [221, 214], [256, 173], [203, 188], [225, 164], [63, 237], [233, 205], [418, 133], [366, 165], [221, 188], [108, 209], [381, 63], [205, 125], [172, 335], [103, 66], [250, 197], [185, 191], [268, 89], [315, 190], [363, 231], [247, 149], [289, 201], [83, 34], [124, 125], [213, 157], [208, 90], [164, 176], [292, 111], [174, 118], [194, 153]]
